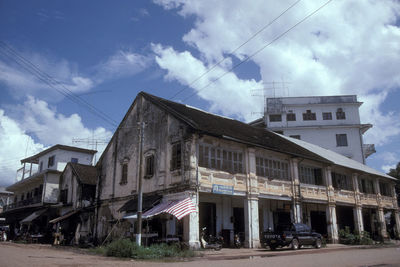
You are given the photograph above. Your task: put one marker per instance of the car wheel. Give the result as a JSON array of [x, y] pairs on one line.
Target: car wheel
[[295, 244], [318, 243]]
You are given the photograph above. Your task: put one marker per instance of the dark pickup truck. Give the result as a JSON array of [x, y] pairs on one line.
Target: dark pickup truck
[[292, 235]]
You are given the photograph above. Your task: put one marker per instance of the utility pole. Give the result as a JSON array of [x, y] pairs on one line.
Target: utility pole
[[140, 193]]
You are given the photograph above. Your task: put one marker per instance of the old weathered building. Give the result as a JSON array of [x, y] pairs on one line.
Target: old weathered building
[[241, 179], [36, 190], [77, 195]]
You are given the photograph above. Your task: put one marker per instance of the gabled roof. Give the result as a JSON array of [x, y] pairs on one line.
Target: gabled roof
[[214, 125], [85, 173], [337, 158], [35, 158]]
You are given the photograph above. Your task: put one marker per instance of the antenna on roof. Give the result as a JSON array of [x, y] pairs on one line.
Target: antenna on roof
[[90, 141], [271, 90]]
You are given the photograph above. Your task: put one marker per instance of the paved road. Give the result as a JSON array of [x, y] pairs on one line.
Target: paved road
[[42, 255]]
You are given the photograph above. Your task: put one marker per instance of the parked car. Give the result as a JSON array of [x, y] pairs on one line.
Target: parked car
[[292, 235]]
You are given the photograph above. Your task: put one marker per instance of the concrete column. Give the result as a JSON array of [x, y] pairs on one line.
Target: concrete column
[[331, 219], [296, 205], [268, 215], [397, 219], [358, 220], [251, 231], [381, 218], [377, 189], [191, 226]]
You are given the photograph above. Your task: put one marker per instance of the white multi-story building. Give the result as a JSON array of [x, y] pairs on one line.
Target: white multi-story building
[[37, 185], [332, 122]]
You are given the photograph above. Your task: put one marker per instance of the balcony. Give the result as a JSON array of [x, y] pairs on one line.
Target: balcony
[[313, 192], [24, 203], [368, 150]]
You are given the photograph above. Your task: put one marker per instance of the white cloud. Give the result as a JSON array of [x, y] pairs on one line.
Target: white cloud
[[348, 47], [64, 76], [223, 94], [15, 145], [386, 168], [122, 63], [35, 118]]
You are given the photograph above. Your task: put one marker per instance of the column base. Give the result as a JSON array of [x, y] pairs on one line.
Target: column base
[[194, 245]]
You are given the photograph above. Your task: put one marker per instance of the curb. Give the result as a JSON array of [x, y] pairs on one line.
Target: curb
[[267, 253]]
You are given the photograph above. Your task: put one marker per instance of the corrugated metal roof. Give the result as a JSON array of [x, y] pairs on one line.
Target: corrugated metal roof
[[222, 127], [337, 158]]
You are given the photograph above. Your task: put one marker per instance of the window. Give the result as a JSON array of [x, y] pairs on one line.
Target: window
[[341, 181], [74, 160], [176, 158], [220, 159], [51, 162], [271, 168], [385, 189], [124, 174], [341, 140], [327, 116], [275, 117], [149, 166], [340, 115], [310, 175], [309, 116], [296, 136], [291, 117], [41, 166], [366, 186]]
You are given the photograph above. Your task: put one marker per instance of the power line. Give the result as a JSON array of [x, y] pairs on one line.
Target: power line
[[237, 48], [259, 50], [51, 82]]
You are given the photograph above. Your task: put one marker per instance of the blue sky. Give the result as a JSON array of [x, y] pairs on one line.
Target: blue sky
[[106, 52]]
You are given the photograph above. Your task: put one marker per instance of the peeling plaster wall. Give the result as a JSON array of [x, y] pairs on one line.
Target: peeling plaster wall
[[161, 131]]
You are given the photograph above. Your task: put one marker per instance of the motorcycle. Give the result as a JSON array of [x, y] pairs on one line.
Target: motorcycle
[[211, 242], [237, 241]]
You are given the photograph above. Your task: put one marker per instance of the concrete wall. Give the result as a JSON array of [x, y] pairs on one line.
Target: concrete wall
[[51, 188], [326, 138], [62, 157], [161, 130], [351, 110]]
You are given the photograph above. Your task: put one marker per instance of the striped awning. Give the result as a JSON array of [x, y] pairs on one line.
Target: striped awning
[[178, 208]]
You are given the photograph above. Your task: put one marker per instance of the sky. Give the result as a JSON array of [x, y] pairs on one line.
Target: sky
[[69, 70]]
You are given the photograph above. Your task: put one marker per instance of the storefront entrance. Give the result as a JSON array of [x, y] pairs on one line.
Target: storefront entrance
[[345, 217], [207, 218], [318, 222]]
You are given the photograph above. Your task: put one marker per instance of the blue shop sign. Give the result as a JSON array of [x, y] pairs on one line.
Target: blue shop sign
[[222, 189]]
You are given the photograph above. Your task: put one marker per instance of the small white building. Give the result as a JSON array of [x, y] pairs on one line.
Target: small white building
[[37, 186], [332, 122]]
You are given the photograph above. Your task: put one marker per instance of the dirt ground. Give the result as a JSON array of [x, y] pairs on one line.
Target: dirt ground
[[12, 254]]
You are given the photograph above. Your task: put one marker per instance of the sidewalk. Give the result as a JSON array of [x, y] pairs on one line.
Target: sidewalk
[[244, 253]]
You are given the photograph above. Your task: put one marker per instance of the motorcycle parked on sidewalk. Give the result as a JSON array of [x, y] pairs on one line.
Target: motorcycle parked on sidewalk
[[210, 242]]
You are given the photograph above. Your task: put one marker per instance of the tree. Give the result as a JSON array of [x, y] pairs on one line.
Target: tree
[[396, 174]]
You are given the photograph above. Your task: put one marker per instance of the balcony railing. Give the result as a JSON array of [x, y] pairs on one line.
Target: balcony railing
[[23, 203]]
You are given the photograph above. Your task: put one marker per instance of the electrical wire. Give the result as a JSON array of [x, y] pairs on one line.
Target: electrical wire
[[11, 53], [259, 50], [237, 48]]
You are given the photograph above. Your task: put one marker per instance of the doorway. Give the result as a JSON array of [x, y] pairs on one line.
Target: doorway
[[207, 218]]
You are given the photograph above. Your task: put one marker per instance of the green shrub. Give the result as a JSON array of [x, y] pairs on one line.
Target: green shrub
[[348, 238], [121, 248], [125, 248]]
